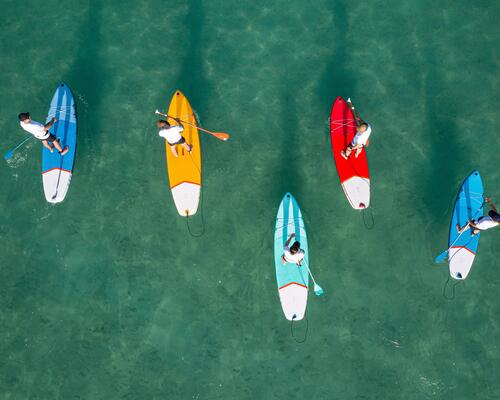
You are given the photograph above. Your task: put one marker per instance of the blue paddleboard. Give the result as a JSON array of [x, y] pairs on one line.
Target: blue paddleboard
[[293, 281], [468, 205], [56, 169]]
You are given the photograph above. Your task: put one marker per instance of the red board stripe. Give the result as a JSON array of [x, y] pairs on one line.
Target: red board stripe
[[52, 169], [292, 283], [180, 183], [462, 247]]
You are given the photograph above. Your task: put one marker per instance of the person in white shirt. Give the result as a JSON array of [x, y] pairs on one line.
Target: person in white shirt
[[293, 254], [361, 139], [173, 136], [41, 132], [483, 223]]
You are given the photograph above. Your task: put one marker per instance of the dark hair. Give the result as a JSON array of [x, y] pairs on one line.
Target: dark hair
[[295, 248], [364, 124], [23, 116], [494, 215]]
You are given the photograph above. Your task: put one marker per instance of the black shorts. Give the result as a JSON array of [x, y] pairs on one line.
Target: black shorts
[[51, 138], [181, 141]]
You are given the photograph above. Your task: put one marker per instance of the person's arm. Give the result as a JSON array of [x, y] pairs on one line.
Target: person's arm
[[178, 120], [353, 109], [289, 239], [48, 125], [299, 263], [490, 204]]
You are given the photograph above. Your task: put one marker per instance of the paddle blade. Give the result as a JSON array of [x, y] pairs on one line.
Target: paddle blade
[[221, 135], [440, 258], [8, 155], [317, 290]]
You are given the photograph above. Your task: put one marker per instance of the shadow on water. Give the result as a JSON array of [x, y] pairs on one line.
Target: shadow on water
[[445, 154], [87, 77], [336, 79], [289, 175], [191, 80]]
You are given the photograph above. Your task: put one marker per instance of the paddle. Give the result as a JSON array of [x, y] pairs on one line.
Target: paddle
[[317, 289], [219, 135], [441, 257], [8, 154]]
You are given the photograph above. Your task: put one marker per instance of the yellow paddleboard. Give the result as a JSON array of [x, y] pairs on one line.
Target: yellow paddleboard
[[184, 171]]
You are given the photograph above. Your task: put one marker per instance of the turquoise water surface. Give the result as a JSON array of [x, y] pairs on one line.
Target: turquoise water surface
[[107, 296]]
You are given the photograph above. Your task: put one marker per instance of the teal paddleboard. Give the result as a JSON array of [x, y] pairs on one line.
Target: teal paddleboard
[[292, 280]]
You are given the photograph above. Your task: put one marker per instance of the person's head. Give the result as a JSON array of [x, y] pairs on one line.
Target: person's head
[[295, 248], [24, 117], [362, 127], [494, 216], [161, 123]]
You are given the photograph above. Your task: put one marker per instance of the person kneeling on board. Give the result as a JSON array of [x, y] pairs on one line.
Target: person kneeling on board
[[483, 223], [361, 139], [173, 135], [293, 254], [41, 132]]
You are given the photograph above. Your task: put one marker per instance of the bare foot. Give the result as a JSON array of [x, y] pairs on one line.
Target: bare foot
[[342, 153], [64, 151], [174, 150]]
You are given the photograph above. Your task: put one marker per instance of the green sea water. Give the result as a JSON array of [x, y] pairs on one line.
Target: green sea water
[[107, 296]]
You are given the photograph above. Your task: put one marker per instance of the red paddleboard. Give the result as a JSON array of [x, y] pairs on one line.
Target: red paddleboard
[[353, 172]]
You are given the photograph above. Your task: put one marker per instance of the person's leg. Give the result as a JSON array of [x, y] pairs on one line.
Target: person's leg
[[174, 150], [57, 145], [347, 152], [59, 148], [462, 229], [283, 261], [188, 147], [358, 150], [47, 145]]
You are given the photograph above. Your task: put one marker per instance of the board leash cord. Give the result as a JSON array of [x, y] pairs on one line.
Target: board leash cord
[[291, 330], [372, 223], [452, 297], [197, 235]]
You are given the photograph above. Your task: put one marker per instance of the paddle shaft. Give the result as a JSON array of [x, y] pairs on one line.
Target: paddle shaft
[[310, 273], [19, 145], [458, 237], [218, 136], [24, 141]]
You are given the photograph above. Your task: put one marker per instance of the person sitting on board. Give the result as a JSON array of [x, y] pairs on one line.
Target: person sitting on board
[[173, 135], [293, 254], [483, 223], [41, 132], [361, 139]]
